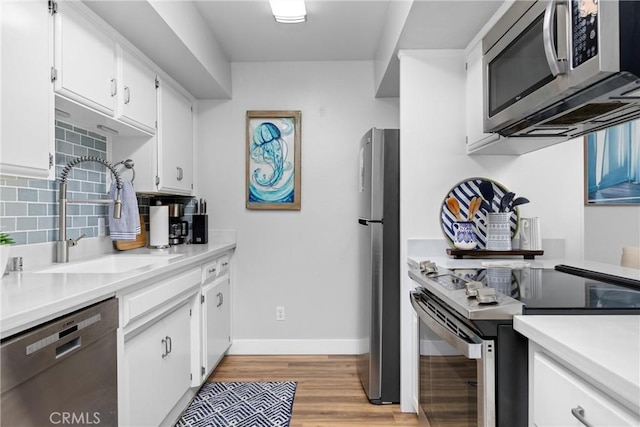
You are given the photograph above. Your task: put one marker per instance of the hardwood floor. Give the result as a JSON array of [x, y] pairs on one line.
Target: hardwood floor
[[329, 392]]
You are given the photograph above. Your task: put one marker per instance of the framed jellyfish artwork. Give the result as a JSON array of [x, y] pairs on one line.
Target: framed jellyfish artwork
[[273, 160]]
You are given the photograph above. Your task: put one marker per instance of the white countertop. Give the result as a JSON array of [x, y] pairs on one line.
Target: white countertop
[[605, 349], [29, 298]]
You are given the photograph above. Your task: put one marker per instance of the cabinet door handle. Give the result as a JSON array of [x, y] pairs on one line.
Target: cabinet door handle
[[578, 412], [224, 264], [220, 299], [212, 270], [165, 352], [127, 95], [180, 174], [114, 87], [170, 346]]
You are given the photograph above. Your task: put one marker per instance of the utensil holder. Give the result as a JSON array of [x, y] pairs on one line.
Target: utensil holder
[[499, 231], [464, 236]]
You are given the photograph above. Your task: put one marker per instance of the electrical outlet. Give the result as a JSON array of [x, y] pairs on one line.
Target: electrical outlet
[[280, 313]]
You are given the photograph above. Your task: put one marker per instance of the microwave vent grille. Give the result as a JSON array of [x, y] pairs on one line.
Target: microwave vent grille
[[585, 113]]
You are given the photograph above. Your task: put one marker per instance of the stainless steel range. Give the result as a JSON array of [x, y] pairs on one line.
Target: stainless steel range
[[472, 364]]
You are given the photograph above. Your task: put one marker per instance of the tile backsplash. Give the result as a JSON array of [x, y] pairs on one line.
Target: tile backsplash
[[29, 207]]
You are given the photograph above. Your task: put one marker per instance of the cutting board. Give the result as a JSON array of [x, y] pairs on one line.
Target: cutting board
[[140, 242]]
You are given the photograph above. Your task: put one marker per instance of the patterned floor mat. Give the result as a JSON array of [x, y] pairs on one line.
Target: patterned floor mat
[[241, 404]]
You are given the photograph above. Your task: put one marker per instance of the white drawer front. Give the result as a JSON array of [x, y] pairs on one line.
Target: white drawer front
[[210, 270], [223, 265], [215, 268], [146, 299], [557, 392]]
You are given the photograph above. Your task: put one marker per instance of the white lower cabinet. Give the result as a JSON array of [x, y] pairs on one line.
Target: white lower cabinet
[[173, 332], [159, 368], [156, 347], [561, 398], [216, 321]]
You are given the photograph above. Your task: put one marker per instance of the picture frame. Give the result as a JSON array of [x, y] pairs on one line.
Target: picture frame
[[612, 166], [273, 176]]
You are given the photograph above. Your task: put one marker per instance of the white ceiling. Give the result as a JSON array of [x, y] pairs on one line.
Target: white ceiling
[[340, 30], [335, 30]]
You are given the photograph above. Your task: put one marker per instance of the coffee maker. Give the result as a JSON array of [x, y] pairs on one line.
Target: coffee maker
[[178, 228]]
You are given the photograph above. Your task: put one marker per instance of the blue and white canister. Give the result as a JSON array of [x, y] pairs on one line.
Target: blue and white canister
[[464, 235], [499, 231]]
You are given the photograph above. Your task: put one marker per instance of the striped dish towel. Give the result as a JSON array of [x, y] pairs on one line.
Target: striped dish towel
[[127, 227]]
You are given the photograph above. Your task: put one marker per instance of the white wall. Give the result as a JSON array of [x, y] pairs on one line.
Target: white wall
[[306, 260], [608, 229], [433, 160]]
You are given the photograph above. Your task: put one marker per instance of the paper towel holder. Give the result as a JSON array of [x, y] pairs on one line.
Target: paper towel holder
[[160, 221]]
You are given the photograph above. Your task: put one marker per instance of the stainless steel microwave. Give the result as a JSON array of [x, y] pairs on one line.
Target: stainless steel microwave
[[562, 68]]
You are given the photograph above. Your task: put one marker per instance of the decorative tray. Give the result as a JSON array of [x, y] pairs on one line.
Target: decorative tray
[[474, 253], [464, 191]]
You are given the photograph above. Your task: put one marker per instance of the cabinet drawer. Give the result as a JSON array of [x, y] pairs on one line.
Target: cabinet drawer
[[559, 393], [146, 299], [215, 268], [223, 265], [210, 270]]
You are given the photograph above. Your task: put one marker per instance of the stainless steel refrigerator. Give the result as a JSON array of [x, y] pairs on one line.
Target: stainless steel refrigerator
[[379, 270]]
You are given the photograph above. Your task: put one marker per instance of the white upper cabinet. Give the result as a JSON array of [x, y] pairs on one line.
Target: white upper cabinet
[[93, 70], [85, 61], [137, 88], [27, 111], [164, 163], [474, 104], [175, 141]]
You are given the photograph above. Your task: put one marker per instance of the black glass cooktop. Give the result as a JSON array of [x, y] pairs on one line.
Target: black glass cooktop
[[548, 291]]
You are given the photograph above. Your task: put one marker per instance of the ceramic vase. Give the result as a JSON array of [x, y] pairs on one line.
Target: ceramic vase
[[530, 238], [464, 235], [499, 231]]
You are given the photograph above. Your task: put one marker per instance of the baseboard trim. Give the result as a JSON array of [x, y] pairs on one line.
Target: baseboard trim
[[284, 347]]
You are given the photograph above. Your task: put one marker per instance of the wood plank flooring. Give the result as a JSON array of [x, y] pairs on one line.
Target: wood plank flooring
[[329, 392]]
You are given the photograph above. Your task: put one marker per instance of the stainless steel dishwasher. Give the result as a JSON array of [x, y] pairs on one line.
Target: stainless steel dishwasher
[[63, 372]]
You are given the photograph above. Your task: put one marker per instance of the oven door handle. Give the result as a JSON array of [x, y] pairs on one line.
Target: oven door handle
[[470, 350]]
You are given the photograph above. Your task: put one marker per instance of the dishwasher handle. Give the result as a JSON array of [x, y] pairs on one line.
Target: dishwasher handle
[[67, 348]]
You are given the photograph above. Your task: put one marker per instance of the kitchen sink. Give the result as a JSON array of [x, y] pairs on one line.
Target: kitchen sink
[[111, 264]]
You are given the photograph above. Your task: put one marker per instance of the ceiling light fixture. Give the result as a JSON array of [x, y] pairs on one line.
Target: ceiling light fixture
[[288, 11]]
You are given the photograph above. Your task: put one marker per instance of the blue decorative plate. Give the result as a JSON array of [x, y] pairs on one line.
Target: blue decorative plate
[[464, 191]]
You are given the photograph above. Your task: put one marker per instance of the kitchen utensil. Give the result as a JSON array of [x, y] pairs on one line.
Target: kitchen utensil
[[140, 242], [505, 202], [464, 192], [488, 193], [474, 205], [454, 207]]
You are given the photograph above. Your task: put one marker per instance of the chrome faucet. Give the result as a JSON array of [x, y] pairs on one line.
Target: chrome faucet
[[63, 245]]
